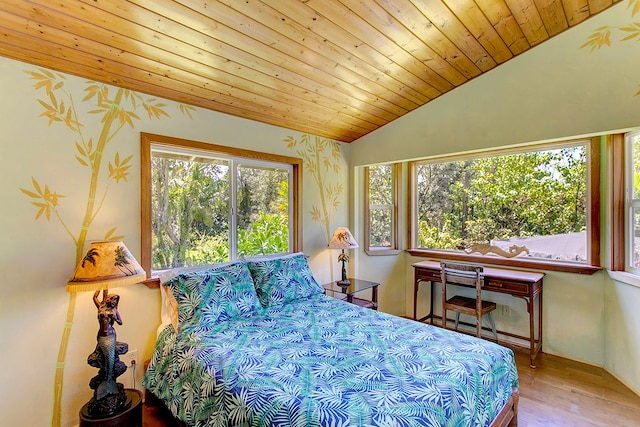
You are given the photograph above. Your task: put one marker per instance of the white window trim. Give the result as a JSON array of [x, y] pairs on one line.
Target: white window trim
[[625, 277], [629, 203]]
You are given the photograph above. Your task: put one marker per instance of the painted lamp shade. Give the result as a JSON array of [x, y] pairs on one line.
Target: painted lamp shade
[[342, 239], [106, 265]]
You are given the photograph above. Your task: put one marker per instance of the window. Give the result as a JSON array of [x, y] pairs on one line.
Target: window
[[632, 202], [203, 203], [533, 207], [381, 213]]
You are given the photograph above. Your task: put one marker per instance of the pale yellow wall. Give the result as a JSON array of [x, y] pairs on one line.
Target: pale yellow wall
[[389, 270], [622, 344], [554, 92], [37, 257]]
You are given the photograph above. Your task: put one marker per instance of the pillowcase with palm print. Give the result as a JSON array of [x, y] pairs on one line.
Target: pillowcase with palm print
[[283, 278], [214, 295]]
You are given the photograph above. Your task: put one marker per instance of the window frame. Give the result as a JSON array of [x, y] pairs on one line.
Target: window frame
[[629, 202], [615, 148], [593, 216], [396, 240], [147, 140]]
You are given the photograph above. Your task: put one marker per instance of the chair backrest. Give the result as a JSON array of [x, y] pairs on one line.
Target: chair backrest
[[461, 274], [469, 275]]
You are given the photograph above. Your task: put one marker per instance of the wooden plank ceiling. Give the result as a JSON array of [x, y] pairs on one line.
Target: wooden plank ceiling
[[335, 68]]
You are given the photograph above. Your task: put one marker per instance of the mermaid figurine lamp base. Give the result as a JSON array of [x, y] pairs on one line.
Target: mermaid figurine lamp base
[[109, 397], [106, 265]]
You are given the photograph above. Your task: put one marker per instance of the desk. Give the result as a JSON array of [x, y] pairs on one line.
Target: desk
[[519, 284]]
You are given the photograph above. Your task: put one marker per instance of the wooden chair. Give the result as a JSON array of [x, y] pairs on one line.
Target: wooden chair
[[468, 275]]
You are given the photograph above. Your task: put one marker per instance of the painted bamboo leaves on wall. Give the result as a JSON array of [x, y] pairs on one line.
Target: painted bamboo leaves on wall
[[601, 36], [321, 158], [117, 108]]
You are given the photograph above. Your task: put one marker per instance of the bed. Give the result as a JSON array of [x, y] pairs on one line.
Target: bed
[[257, 343]]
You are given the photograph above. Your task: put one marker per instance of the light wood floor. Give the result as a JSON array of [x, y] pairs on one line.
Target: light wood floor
[[558, 393], [561, 392]]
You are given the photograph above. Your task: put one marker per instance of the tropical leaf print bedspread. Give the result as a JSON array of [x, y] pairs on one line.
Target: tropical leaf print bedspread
[[324, 362]]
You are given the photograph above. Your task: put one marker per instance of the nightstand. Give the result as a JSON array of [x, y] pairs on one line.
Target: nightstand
[[347, 292]]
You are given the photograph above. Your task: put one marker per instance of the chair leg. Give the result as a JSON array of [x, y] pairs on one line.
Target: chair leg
[[457, 320], [444, 318], [492, 323]]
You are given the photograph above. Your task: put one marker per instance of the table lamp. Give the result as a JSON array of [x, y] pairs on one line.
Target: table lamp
[[343, 239], [106, 265]]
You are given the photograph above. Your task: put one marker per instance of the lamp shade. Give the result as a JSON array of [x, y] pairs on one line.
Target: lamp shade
[[106, 265], [342, 239]]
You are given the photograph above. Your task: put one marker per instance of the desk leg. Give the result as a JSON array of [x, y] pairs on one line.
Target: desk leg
[[429, 316], [431, 313], [416, 282], [538, 345], [535, 344], [532, 332]]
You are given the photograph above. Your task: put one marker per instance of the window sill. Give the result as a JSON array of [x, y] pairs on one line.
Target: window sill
[[151, 282], [625, 277], [382, 252], [538, 264]]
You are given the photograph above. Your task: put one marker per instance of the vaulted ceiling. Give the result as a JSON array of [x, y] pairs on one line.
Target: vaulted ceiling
[[334, 68]]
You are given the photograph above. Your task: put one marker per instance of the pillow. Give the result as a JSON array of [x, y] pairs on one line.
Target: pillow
[[283, 278], [214, 295], [169, 305], [168, 310]]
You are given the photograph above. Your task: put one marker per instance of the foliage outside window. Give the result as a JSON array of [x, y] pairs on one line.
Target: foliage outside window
[[632, 202], [210, 204], [532, 205], [381, 209]]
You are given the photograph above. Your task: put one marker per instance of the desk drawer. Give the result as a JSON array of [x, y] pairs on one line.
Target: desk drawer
[[508, 287], [491, 284], [429, 275]]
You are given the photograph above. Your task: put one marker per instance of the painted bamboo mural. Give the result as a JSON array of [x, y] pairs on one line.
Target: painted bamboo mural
[[321, 158], [601, 36], [116, 110]]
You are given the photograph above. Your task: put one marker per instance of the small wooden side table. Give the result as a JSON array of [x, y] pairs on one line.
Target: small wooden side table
[[131, 417], [357, 285]]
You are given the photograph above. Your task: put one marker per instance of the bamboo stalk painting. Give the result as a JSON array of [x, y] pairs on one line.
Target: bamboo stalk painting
[[601, 36], [320, 156], [116, 110]]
